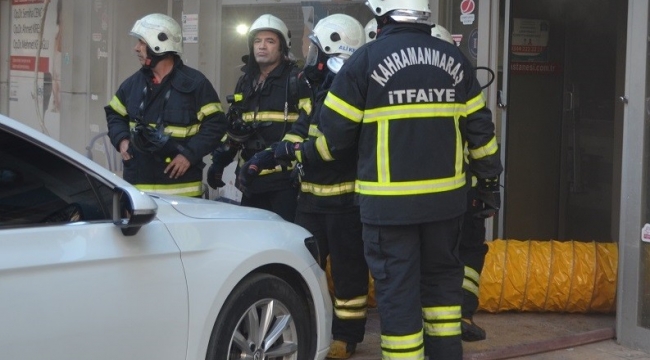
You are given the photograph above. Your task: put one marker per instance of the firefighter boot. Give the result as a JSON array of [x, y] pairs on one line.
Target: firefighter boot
[[341, 349], [471, 331]]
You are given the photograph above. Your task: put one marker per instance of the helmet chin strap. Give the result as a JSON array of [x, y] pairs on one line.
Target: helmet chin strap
[[152, 59]]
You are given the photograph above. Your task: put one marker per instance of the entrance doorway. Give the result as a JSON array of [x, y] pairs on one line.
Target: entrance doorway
[[564, 123]]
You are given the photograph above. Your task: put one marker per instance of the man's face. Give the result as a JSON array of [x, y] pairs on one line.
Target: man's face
[[267, 48], [141, 51]]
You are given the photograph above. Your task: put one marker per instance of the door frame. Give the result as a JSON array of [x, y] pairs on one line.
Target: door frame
[[629, 332]]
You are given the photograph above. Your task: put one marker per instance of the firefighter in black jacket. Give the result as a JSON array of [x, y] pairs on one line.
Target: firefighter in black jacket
[[167, 116], [326, 201], [407, 103], [267, 100]]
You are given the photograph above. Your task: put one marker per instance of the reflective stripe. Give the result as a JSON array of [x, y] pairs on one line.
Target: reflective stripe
[[413, 111], [471, 281], [411, 187], [383, 152], [486, 150], [475, 104], [323, 149], [314, 131], [305, 104], [278, 168], [208, 109], [238, 97], [406, 347], [472, 274], [327, 190], [276, 116], [344, 109], [176, 131], [292, 138], [442, 320], [117, 105], [194, 188], [470, 286], [355, 308]]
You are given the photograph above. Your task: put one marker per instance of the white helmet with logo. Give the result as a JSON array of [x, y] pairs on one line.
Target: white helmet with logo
[[161, 33], [414, 11], [337, 36], [371, 30], [270, 23], [441, 33]]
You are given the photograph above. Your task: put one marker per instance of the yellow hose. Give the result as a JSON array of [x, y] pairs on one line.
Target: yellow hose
[[557, 276]]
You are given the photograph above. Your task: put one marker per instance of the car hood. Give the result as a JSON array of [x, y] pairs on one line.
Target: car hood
[[208, 209]]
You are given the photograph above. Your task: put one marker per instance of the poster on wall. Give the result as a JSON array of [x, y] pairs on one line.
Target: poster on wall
[[35, 64], [529, 40]]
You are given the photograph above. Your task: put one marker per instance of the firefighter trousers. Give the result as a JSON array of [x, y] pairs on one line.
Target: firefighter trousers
[[418, 287], [472, 252], [339, 236]]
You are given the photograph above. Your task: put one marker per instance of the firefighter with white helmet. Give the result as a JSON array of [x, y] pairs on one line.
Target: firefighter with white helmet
[[371, 30], [441, 33], [265, 103], [167, 116], [405, 107]]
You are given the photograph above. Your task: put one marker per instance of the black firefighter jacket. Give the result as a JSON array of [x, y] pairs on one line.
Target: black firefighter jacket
[[188, 106], [407, 103]]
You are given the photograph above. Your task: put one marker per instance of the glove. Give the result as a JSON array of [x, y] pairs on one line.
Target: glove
[[215, 172], [489, 196], [286, 152], [252, 168]]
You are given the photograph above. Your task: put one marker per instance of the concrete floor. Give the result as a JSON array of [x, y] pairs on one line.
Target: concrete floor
[[528, 336]]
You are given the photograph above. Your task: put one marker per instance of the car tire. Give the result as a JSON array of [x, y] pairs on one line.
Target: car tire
[[241, 330]]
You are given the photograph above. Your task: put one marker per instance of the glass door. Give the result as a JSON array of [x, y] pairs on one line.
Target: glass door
[[633, 308]]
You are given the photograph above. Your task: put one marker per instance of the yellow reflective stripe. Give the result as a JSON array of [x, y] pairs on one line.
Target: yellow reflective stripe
[[350, 313], [208, 109], [305, 104], [327, 190], [224, 137], [470, 286], [413, 111], [323, 149], [276, 116], [472, 274], [278, 168], [117, 105], [475, 104], [411, 187], [238, 97], [460, 148], [314, 131], [292, 138], [486, 150], [354, 302], [194, 188], [406, 347], [442, 320], [354, 308], [177, 131], [343, 108], [383, 152]]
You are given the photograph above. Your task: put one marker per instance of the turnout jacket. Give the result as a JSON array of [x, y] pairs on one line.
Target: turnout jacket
[[273, 107], [326, 187], [407, 103], [188, 106]]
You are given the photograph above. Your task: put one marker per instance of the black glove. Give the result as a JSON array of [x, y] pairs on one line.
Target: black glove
[[252, 168], [489, 194], [286, 152], [215, 172]]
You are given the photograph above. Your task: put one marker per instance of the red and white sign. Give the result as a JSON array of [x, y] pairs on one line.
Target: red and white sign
[[467, 8]]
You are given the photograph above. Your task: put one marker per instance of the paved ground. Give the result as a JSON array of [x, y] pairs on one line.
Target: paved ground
[[529, 336]]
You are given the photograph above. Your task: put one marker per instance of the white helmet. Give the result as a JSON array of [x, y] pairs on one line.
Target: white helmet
[[415, 11], [442, 33], [371, 30], [270, 23], [161, 33], [338, 35]]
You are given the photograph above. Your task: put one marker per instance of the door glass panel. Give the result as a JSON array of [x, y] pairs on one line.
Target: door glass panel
[[644, 272]]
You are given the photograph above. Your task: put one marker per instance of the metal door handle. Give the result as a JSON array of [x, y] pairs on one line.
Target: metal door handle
[[500, 103]]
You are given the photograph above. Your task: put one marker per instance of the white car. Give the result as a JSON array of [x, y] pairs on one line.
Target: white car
[[92, 268]]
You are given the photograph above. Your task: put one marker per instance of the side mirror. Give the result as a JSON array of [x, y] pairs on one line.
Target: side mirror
[[132, 210]]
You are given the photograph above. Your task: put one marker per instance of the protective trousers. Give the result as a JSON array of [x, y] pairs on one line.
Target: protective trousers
[[472, 252], [418, 277], [339, 235], [281, 202]]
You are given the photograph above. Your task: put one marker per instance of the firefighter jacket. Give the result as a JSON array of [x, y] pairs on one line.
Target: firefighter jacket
[[271, 108], [326, 187], [188, 107], [407, 103]]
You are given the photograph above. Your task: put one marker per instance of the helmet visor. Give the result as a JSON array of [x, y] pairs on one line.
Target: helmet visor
[[312, 55]]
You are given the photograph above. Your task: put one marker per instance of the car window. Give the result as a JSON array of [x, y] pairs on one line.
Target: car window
[[39, 187]]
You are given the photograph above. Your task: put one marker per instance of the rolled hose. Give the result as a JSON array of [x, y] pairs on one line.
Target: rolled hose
[[554, 276]]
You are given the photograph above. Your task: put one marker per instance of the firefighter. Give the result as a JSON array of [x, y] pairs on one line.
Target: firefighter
[[266, 102], [371, 30], [406, 104], [167, 116]]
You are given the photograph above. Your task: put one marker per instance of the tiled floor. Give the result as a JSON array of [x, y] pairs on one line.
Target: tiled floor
[[510, 335]]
